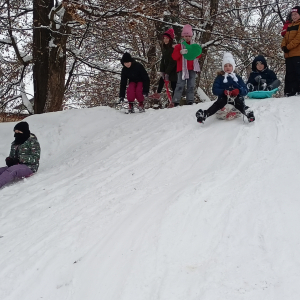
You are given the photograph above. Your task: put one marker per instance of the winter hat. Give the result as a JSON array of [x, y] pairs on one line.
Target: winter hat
[[187, 30], [126, 58], [22, 126], [257, 59], [228, 59], [170, 33], [296, 9]]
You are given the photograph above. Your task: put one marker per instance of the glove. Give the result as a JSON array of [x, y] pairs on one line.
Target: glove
[[184, 51], [234, 93], [227, 93], [263, 81], [257, 78], [121, 99], [166, 77], [162, 74], [285, 49], [11, 161]]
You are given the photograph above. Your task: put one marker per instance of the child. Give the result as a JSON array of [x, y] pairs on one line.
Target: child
[[227, 86], [139, 82], [261, 77], [24, 156], [167, 64], [291, 47], [186, 69]]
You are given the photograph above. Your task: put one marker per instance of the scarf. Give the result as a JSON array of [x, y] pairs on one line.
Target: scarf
[[185, 71], [232, 75], [21, 138]]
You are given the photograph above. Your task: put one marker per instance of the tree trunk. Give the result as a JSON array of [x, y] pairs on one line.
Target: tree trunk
[[41, 38], [57, 67]]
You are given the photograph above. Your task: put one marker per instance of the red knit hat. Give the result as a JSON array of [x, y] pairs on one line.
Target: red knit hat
[[296, 9], [170, 34]]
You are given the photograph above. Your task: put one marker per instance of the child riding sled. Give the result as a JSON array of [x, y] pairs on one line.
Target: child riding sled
[[230, 88]]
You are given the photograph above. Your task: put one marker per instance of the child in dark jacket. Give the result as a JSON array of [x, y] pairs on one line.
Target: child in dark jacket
[[167, 65], [24, 156], [261, 77], [139, 82], [230, 88]]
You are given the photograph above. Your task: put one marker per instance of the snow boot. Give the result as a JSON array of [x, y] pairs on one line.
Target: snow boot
[[250, 115], [201, 116]]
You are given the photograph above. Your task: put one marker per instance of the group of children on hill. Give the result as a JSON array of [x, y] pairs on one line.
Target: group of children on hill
[[227, 85], [23, 160]]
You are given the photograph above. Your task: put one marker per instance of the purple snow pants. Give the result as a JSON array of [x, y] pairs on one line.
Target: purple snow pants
[[9, 174]]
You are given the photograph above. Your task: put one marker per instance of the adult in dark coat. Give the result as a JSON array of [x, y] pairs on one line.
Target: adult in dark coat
[[261, 77]]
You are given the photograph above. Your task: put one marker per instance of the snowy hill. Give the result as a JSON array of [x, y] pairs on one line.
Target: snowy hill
[[155, 206]]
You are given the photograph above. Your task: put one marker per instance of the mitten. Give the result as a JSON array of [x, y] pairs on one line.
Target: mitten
[[227, 93], [11, 161], [184, 51], [257, 78], [285, 49], [234, 93]]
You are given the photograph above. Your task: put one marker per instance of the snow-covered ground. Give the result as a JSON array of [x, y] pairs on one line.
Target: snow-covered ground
[[155, 206]]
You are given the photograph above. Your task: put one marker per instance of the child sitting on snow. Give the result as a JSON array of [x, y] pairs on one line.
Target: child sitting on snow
[[261, 77], [230, 88], [24, 156]]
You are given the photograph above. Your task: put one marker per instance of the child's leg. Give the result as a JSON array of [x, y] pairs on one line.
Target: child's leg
[[14, 172], [190, 87], [289, 77], [131, 92], [275, 84], [173, 86], [239, 103], [219, 104], [3, 169], [179, 88], [139, 93], [297, 73], [161, 84]]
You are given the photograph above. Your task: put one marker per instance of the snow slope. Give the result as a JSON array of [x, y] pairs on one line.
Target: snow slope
[[155, 206]]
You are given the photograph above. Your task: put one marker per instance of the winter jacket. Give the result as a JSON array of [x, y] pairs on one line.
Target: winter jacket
[[176, 55], [285, 26], [168, 64], [136, 73], [291, 40], [28, 153], [219, 86], [267, 74]]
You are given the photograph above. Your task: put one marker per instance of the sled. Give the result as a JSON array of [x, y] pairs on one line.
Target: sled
[[194, 50], [228, 112], [262, 94], [171, 104]]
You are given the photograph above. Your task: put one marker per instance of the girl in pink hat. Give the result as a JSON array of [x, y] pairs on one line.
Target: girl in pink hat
[[186, 69]]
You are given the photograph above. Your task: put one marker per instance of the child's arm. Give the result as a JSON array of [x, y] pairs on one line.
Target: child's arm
[[145, 79], [295, 41], [251, 78], [241, 86], [123, 85], [176, 55], [217, 88]]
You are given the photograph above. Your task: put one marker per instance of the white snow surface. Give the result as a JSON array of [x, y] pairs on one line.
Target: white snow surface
[[155, 206]]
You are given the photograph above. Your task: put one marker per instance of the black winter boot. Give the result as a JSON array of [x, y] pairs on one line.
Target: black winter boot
[[201, 116]]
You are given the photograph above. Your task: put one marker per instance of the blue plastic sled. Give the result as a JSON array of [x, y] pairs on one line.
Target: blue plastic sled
[[262, 94]]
